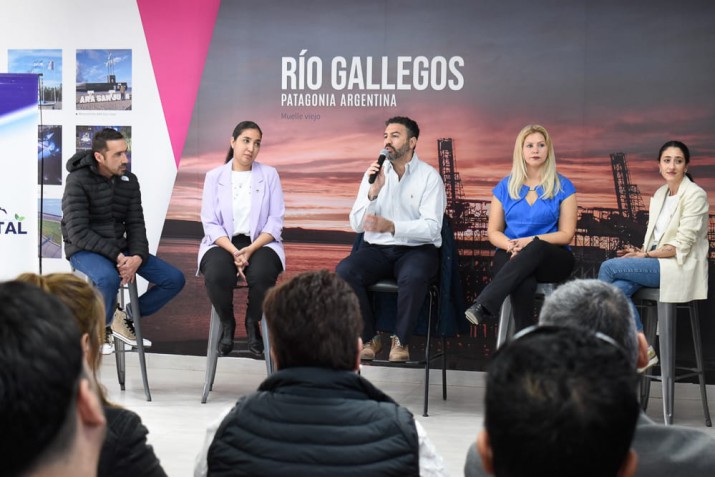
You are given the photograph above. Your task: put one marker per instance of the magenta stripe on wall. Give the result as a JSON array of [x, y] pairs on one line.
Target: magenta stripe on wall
[[178, 33]]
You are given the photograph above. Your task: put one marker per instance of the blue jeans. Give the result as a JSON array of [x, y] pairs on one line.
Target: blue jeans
[[630, 274], [167, 281]]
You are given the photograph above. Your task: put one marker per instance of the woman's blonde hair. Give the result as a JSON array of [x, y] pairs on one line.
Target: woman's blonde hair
[[549, 179], [86, 305]]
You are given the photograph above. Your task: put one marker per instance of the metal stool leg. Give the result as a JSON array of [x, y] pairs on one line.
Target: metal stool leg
[[428, 349], [444, 368], [649, 328], [211, 354], [666, 324], [119, 352], [697, 347], [267, 346], [506, 322], [136, 316]]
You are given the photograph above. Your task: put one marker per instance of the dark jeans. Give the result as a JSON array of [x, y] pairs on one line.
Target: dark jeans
[[414, 268], [220, 278], [538, 262], [166, 280]]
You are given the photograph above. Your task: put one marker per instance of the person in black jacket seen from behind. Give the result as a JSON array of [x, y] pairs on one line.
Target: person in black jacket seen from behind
[[104, 233], [316, 416]]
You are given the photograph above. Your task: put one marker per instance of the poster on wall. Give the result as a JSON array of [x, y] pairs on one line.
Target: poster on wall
[[18, 194], [104, 80], [51, 236], [47, 64], [49, 154]]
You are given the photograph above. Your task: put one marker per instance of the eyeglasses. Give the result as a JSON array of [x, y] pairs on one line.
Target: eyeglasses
[[547, 330]]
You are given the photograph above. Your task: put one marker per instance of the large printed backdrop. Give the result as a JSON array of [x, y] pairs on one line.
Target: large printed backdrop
[[603, 77]]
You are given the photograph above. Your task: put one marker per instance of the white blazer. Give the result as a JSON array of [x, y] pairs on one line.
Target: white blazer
[[683, 277]]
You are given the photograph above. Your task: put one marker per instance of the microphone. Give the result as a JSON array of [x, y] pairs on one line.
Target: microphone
[[383, 154]]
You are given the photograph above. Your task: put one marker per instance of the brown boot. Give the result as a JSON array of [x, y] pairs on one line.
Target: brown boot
[[371, 348], [399, 352]]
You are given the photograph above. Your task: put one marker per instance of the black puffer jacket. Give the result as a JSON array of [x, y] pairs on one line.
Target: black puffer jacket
[[125, 451], [102, 215], [315, 422]]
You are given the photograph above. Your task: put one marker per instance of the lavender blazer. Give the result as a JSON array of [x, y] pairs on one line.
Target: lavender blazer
[[267, 207]]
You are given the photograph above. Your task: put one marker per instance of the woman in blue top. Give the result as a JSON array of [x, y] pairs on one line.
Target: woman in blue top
[[531, 222]]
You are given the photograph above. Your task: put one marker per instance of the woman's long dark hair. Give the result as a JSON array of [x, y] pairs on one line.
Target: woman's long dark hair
[[683, 148], [240, 127]]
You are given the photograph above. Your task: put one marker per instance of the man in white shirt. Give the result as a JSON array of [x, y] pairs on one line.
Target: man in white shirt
[[401, 215]]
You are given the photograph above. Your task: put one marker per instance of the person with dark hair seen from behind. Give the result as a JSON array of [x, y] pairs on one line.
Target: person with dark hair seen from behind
[[595, 306], [675, 250], [401, 215], [532, 220], [316, 416], [242, 214], [559, 402], [105, 237], [51, 419], [125, 451]]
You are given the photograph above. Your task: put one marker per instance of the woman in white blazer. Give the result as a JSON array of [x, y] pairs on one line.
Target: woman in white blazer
[[242, 212], [674, 256]]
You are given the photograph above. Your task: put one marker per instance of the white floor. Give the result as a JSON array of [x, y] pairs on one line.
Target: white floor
[[176, 419]]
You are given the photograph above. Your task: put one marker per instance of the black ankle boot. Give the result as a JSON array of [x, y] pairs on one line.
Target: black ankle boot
[[225, 344], [477, 314], [255, 340]]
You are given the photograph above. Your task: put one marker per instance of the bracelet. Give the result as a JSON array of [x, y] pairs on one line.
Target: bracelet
[[646, 254]]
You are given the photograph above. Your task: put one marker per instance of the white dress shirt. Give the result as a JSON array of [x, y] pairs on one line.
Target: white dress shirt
[[415, 204]]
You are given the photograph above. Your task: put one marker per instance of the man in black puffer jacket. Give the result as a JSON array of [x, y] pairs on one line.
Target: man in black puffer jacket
[[315, 416], [104, 234]]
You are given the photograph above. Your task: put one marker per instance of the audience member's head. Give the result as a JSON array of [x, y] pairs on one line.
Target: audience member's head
[[51, 417], [314, 320], [100, 139], [559, 402], [596, 306], [85, 303]]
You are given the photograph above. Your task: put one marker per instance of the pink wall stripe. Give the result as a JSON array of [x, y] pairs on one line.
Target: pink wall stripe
[[178, 34]]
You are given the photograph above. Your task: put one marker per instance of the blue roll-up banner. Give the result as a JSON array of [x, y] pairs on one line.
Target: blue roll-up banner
[[18, 175]]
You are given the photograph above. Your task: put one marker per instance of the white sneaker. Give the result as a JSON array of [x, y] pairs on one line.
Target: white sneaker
[[108, 345], [652, 360], [123, 328]]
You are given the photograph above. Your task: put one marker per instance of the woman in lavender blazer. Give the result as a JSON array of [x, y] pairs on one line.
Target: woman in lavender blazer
[[242, 214]]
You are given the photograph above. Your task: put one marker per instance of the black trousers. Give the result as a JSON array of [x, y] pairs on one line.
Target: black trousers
[[414, 268], [220, 278], [538, 262]]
